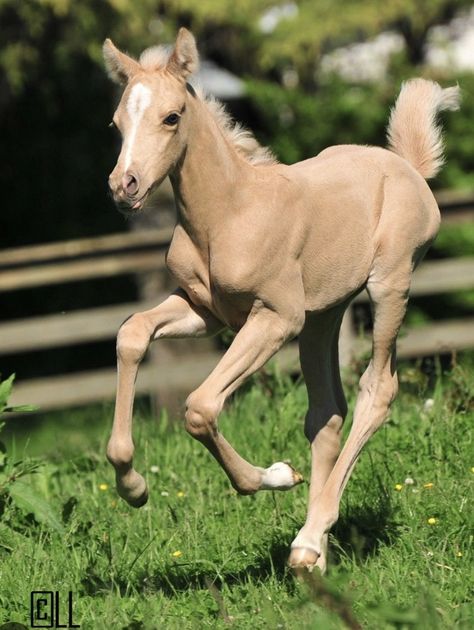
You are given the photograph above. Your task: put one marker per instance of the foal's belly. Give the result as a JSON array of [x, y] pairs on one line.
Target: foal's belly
[[335, 279]]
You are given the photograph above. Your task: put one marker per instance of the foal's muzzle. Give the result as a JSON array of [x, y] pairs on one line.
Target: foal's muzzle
[[126, 191], [130, 184]]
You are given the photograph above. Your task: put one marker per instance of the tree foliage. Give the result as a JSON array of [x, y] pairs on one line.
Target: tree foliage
[[229, 30]]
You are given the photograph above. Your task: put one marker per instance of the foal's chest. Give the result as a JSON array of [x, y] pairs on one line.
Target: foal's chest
[[190, 265]]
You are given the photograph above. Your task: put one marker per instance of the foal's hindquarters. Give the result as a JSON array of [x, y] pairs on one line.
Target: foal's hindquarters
[[408, 222]]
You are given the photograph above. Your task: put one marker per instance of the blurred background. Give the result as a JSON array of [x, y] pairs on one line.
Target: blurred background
[[302, 75]]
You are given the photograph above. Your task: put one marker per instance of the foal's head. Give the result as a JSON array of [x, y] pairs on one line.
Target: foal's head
[[151, 116]]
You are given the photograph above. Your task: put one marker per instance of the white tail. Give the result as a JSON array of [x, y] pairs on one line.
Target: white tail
[[412, 130]]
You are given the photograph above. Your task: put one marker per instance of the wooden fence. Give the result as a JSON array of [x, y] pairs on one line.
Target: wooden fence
[[144, 252]]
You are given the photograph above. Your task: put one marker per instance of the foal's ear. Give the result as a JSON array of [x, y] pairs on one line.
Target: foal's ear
[[184, 59], [120, 67]]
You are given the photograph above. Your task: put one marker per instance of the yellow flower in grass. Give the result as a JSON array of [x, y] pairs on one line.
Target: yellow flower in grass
[[177, 554], [459, 554], [472, 469], [432, 521], [103, 486], [428, 485], [398, 487], [181, 494]]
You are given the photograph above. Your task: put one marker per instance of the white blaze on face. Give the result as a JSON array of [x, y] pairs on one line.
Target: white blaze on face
[[138, 102]]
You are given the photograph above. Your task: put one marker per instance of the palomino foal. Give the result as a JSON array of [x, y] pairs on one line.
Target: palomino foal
[[272, 251]]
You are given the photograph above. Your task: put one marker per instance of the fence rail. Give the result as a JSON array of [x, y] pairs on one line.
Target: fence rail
[[55, 392], [97, 324], [144, 252]]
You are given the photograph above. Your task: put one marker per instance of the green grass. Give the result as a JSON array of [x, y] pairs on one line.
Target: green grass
[[388, 565]]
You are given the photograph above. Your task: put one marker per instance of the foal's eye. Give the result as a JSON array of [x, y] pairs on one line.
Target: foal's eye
[[112, 125], [171, 120]]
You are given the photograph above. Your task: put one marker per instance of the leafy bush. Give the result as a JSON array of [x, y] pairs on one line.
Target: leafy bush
[[15, 478]]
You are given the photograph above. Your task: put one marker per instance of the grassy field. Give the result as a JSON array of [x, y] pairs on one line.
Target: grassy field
[[200, 556]]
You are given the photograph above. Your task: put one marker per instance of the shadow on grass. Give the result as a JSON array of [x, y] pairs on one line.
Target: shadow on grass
[[361, 530], [185, 576], [182, 578], [357, 535]]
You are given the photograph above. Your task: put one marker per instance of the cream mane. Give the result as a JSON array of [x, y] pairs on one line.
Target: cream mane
[[157, 57]]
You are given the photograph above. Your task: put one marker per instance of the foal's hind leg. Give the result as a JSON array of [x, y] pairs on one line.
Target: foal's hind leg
[[175, 317], [378, 387], [327, 406]]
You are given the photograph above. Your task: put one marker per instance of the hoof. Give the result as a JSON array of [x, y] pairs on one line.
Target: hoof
[[280, 476], [133, 490], [139, 501], [297, 477], [303, 560]]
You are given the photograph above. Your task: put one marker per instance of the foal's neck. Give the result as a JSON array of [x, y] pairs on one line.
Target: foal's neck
[[208, 175]]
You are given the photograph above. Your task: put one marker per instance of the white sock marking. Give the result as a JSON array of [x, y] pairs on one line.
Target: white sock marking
[[279, 476], [138, 102]]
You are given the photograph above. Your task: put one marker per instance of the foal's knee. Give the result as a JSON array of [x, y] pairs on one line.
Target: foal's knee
[[132, 339], [200, 417]]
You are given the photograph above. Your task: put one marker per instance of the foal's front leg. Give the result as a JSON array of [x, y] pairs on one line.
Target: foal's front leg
[[262, 335], [175, 317]]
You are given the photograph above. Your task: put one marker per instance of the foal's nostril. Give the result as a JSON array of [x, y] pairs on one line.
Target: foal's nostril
[[130, 184]]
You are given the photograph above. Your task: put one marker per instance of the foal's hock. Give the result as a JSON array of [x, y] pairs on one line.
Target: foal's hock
[[272, 251]]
